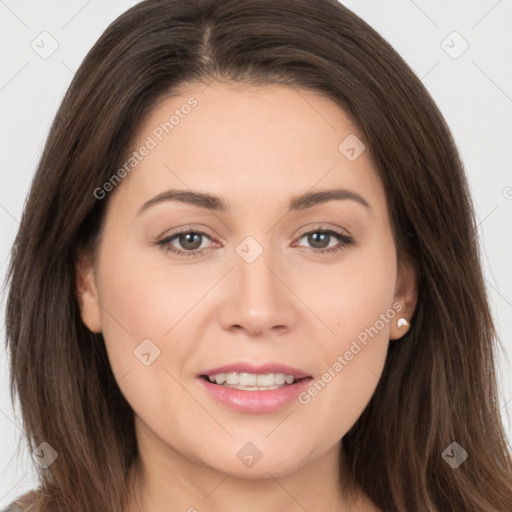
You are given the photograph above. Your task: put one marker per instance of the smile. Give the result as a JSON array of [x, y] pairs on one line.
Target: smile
[[252, 381], [255, 393]]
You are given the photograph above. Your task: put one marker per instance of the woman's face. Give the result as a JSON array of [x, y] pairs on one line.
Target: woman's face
[[273, 278]]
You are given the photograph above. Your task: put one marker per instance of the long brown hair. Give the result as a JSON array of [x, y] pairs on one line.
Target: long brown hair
[[439, 383]]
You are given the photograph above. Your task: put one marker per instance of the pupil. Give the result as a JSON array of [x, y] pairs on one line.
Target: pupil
[[314, 239], [185, 243]]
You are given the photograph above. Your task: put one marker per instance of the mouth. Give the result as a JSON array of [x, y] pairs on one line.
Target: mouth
[[253, 382], [258, 391]]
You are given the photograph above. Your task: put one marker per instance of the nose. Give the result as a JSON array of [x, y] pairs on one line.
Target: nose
[[258, 299]]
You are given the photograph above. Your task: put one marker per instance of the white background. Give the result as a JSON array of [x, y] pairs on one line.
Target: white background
[[473, 91]]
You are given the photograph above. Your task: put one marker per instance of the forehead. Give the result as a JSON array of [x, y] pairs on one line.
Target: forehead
[[246, 143]]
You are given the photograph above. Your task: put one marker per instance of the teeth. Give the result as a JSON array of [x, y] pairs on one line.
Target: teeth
[[231, 378], [251, 380], [279, 378], [265, 380], [220, 378]]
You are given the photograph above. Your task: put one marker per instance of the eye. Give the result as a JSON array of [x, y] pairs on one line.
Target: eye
[[318, 238], [191, 241]]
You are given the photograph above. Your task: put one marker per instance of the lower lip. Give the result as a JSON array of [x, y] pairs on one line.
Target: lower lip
[[255, 401]]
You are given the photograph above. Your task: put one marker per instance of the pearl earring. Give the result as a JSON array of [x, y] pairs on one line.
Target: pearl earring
[[401, 322]]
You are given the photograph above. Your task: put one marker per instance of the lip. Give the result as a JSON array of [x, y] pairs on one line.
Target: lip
[[254, 401], [246, 367]]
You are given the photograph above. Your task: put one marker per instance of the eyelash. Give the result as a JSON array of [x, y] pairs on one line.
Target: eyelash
[[345, 241]]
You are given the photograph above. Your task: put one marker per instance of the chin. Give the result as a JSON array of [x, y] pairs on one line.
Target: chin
[[262, 468]]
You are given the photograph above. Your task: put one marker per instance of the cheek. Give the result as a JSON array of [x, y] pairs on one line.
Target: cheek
[[358, 308], [143, 294], [357, 291], [144, 308], [141, 303]]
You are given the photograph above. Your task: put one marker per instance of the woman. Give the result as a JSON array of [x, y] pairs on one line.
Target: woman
[[247, 277]]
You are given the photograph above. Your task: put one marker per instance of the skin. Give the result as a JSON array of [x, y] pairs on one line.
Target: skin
[[256, 147]]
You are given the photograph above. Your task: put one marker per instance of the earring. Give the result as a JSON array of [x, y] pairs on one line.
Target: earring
[[401, 322]]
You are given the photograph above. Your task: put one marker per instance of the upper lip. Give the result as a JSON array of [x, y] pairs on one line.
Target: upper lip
[[259, 369]]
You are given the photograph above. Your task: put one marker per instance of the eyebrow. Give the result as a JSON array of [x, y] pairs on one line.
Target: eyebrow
[[214, 203]]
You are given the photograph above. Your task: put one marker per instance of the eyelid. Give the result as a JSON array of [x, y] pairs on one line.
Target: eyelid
[[324, 227], [185, 229]]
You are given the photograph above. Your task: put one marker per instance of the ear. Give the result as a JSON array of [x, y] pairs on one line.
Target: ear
[[406, 294], [87, 292]]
